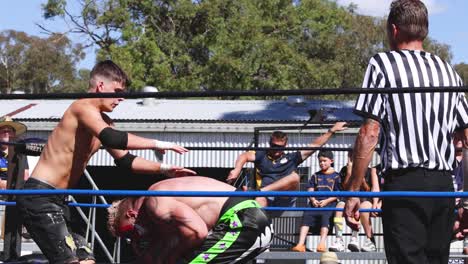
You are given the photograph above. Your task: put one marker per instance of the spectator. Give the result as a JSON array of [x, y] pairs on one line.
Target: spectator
[[457, 173], [458, 177], [371, 183], [9, 130], [276, 170], [327, 179]]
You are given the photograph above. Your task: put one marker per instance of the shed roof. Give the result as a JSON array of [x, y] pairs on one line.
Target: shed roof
[[275, 111]]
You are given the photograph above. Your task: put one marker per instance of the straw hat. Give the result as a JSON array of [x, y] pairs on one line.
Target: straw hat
[[19, 128], [329, 258]]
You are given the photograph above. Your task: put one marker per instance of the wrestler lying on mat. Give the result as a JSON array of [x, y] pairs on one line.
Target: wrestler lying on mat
[[192, 229]]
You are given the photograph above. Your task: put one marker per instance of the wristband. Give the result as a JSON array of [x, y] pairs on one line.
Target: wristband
[[331, 131], [163, 144], [164, 167]]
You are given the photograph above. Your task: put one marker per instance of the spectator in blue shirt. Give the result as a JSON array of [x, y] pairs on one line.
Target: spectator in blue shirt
[[327, 179], [277, 170]]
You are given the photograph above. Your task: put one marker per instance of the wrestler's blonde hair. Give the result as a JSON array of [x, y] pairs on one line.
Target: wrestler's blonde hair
[[115, 213]]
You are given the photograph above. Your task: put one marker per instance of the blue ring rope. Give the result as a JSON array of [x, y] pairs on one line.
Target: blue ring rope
[[236, 194], [318, 209]]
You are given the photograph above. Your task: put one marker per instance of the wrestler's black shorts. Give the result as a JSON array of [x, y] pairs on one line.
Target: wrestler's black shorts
[[243, 231], [46, 218]]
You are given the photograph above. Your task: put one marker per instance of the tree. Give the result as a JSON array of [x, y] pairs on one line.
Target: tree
[[440, 49], [179, 45], [462, 70], [37, 65], [12, 49]]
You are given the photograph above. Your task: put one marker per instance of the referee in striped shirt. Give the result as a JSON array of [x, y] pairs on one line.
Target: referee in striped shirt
[[416, 139]]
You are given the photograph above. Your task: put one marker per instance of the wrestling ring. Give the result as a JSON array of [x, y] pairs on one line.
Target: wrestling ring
[[98, 200]]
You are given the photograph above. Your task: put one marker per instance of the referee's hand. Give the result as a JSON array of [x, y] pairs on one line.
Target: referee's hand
[[352, 212]]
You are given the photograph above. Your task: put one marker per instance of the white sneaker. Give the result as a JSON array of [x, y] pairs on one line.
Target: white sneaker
[[368, 246], [353, 244], [337, 246]]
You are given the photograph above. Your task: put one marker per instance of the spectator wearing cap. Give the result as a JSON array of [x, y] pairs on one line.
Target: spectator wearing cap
[[9, 130], [327, 179]]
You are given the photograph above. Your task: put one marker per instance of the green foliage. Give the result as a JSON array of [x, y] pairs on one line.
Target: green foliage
[[182, 45], [462, 70], [38, 65], [440, 49], [54, 8]]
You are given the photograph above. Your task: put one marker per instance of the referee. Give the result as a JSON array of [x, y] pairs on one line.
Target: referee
[[417, 130]]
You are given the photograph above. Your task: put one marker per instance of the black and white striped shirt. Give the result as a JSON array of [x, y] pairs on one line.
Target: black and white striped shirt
[[417, 128]]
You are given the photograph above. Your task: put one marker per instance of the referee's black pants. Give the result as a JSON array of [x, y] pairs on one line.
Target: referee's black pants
[[417, 230]]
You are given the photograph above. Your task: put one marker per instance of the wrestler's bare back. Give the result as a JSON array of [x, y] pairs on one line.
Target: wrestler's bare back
[[208, 208], [68, 149]]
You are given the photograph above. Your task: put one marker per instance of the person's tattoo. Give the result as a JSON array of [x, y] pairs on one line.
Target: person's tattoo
[[368, 145]]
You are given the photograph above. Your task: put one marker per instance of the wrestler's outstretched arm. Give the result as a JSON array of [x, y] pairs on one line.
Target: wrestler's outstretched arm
[[100, 126], [127, 161]]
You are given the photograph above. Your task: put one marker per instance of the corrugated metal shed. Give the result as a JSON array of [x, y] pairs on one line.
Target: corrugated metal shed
[[197, 123], [218, 159]]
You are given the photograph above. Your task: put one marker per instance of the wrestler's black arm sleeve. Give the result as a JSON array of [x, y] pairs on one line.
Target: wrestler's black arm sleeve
[[125, 162], [112, 138]]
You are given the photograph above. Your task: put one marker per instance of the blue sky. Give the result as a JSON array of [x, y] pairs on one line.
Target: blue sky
[[448, 22]]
